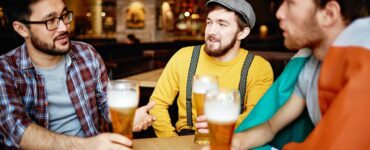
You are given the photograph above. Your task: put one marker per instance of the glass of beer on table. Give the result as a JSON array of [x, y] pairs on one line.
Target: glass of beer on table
[[201, 84], [222, 109], [123, 99]]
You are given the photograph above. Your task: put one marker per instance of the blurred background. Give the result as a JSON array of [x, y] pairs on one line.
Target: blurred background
[[147, 32]]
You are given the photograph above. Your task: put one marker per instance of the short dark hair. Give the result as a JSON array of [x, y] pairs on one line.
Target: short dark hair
[[350, 9], [17, 9], [239, 18]]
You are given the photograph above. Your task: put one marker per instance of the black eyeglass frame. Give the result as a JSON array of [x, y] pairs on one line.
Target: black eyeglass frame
[[68, 14]]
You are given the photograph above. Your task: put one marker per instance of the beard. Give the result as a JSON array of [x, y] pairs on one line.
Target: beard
[[221, 50], [310, 36], [47, 48]]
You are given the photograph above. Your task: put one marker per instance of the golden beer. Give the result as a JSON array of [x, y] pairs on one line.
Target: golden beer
[[122, 119], [123, 99], [221, 134], [201, 84], [199, 106], [222, 109]]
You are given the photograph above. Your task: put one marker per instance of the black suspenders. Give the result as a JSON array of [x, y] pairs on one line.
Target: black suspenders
[[189, 84], [191, 73], [243, 79]]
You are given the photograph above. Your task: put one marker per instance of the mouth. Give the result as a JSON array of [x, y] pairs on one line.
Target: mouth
[[63, 39], [213, 40], [282, 27], [285, 33]]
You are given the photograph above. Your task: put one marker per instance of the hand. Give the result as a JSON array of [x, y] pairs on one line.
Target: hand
[[237, 142], [207, 147], [202, 125], [107, 141], [142, 119]]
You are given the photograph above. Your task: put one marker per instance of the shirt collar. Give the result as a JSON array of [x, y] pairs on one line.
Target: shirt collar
[[25, 61]]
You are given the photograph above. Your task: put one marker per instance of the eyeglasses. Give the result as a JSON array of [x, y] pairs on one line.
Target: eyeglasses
[[53, 23]]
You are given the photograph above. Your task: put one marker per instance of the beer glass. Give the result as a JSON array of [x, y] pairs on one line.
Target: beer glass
[[201, 84], [123, 99], [222, 109]]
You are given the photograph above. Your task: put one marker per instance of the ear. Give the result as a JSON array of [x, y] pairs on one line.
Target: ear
[[21, 29], [243, 33], [330, 14]]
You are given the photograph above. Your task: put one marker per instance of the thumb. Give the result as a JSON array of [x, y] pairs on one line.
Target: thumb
[[150, 105]]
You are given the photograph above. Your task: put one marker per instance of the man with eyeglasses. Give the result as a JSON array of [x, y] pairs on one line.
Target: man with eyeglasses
[[53, 90]]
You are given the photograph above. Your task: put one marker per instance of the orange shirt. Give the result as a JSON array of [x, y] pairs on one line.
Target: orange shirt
[[344, 93]]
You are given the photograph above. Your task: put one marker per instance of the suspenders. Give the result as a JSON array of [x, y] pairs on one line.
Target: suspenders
[[191, 73]]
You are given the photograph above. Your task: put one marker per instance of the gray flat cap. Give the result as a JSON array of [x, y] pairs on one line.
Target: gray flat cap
[[240, 6]]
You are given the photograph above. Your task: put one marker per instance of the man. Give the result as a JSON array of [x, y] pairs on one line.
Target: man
[[52, 90], [228, 22], [337, 103]]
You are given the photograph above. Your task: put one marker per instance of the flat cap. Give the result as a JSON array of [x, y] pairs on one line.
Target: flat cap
[[241, 7]]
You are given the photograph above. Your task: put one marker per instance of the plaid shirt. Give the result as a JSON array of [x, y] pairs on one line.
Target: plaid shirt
[[22, 92]]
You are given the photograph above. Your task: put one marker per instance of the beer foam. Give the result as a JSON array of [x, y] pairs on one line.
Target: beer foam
[[221, 112], [122, 99], [202, 86]]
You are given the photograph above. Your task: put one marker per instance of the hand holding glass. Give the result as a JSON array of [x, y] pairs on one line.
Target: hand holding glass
[[201, 84]]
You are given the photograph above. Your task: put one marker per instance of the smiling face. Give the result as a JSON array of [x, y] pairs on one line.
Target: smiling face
[[299, 24], [51, 42], [220, 32]]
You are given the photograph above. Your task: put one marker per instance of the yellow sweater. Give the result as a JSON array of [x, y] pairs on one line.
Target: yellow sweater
[[173, 82]]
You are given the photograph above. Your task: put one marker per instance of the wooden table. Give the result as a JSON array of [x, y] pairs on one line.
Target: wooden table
[[147, 79], [172, 143]]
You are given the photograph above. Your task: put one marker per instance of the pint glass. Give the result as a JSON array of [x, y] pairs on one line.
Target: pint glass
[[222, 109], [123, 99], [201, 84]]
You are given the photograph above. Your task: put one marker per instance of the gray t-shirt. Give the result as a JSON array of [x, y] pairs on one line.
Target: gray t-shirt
[[307, 87], [62, 114]]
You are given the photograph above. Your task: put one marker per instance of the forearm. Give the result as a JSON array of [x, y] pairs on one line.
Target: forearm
[[162, 126], [256, 136], [36, 137]]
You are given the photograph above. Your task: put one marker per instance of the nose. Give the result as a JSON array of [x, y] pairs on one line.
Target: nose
[[280, 14], [211, 29], [62, 26]]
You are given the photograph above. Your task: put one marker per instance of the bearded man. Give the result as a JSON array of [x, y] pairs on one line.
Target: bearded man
[[227, 23]]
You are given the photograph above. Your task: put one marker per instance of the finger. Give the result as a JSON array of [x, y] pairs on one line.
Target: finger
[[205, 148], [119, 146], [201, 118], [150, 105], [150, 121], [137, 128], [120, 139], [154, 118], [201, 125], [204, 131], [145, 127]]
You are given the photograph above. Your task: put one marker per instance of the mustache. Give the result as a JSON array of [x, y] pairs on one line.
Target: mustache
[[212, 38], [61, 35]]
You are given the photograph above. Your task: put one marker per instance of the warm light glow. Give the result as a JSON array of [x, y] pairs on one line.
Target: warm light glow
[[103, 14], [88, 14], [194, 16], [181, 16], [187, 14], [263, 30]]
